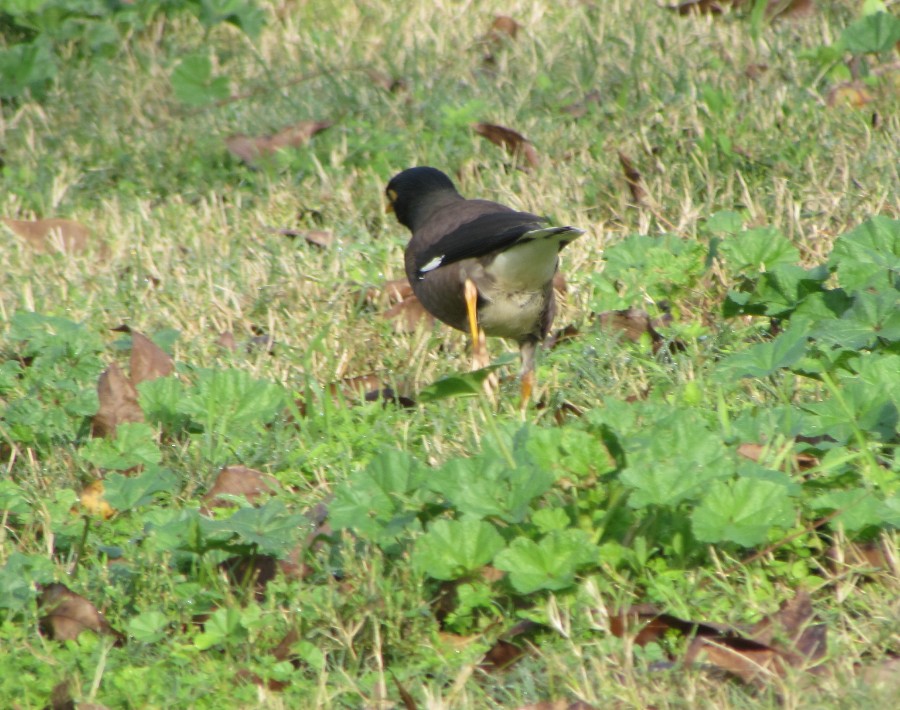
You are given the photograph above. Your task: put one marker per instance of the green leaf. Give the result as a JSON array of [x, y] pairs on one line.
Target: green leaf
[[148, 627], [764, 359], [871, 317], [452, 549], [18, 578], [129, 492], [26, 66], [270, 528], [194, 84], [486, 486], [868, 256], [134, 445], [380, 502], [742, 511], [240, 13], [860, 508], [758, 250], [878, 32], [724, 222], [673, 460], [463, 384], [550, 564]]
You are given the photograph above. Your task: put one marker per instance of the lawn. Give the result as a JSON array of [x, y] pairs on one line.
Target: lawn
[[242, 468]]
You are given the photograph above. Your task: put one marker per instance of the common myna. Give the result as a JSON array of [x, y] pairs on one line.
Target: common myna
[[478, 263]]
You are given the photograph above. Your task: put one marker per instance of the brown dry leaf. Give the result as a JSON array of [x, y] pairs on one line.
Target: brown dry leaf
[[871, 556], [250, 149], [227, 341], [118, 402], [316, 237], [790, 9], [558, 705], [648, 624], [563, 335], [238, 481], [408, 315], [633, 179], [92, 501], [60, 234], [788, 623], [248, 676], [503, 27], [148, 360], [749, 660], [755, 71], [319, 238], [390, 292], [754, 452], [504, 652], [699, 7], [852, 94], [409, 702], [513, 142], [633, 323], [66, 614], [257, 571]]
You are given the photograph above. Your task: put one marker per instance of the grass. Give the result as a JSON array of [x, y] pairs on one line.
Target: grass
[[182, 240]]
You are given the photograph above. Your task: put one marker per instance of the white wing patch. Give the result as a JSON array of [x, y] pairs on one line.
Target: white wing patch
[[432, 265]]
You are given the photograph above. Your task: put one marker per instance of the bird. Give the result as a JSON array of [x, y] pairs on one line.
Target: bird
[[478, 265]]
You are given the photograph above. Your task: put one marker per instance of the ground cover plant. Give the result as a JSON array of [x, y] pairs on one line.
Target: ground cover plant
[[241, 467]]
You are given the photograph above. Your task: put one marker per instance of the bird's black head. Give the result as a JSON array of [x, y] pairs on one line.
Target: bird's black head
[[411, 192]]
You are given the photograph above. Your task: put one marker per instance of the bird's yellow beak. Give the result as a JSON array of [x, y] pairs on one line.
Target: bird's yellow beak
[[392, 198]]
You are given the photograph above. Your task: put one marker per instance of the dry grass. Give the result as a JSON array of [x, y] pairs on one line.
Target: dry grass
[[181, 239]]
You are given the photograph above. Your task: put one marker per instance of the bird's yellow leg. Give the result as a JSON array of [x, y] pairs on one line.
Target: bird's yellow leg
[[471, 293]]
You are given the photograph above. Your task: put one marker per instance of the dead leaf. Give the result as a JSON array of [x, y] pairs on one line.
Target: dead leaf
[[250, 149], [633, 323], [51, 233], [238, 481], [93, 502], [316, 237], [853, 94], [148, 360], [697, 7], [647, 624], [558, 705], [790, 9], [408, 315], [755, 451], [513, 142], [870, 556], [750, 661], [755, 71], [408, 701], [504, 652], [257, 571], [563, 335], [633, 180], [66, 614], [118, 402], [227, 341], [503, 27]]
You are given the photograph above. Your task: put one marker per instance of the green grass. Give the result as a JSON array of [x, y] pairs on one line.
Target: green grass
[[182, 245]]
